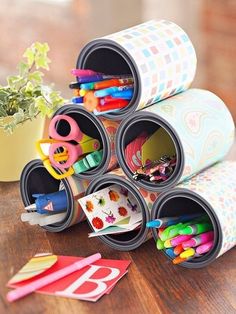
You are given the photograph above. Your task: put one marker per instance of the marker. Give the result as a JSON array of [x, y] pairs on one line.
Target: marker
[[188, 253], [169, 221], [87, 86], [179, 260], [160, 244], [113, 82], [165, 234], [199, 240], [98, 113], [125, 94], [170, 253], [49, 203], [204, 248], [46, 280], [83, 72], [74, 85], [119, 104], [90, 101], [90, 79], [167, 244], [108, 91], [178, 249], [180, 239], [77, 100], [82, 92], [76, 92], [196, 229]]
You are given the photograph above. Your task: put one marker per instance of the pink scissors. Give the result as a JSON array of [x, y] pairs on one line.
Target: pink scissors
[[86, 144]]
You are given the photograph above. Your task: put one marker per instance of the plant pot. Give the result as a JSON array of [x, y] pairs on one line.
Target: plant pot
[[18, 149]]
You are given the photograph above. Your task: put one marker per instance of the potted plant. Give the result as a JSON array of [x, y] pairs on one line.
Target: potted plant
[[24, 103]]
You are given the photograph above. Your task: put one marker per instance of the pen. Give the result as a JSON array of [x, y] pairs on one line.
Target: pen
[[46, 280]]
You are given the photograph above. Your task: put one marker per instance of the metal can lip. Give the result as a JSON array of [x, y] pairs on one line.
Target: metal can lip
[[122, 136], [181, 195], [130, 240], [117, 51], [74, 110], [29, 183]]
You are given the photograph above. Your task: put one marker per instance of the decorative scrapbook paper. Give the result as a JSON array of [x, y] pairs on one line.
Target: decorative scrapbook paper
[[217, 185], [203, 124], [163, 55], [89, 283], [158, 145], [108, 207]]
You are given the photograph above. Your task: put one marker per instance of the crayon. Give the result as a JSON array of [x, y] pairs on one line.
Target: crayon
[[199, 240], [204, 248], [197, 228], [114, 105], [188, 253], [180, 239]]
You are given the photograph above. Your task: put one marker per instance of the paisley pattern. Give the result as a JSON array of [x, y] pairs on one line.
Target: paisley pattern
[[217, 186], [163, 55], [149, 197], [203, 125]]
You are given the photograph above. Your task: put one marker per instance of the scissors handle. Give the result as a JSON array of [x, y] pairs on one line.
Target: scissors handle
[[54, 173], [73, 152], [75, 134]]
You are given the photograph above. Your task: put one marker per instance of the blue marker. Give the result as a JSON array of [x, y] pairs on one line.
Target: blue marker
[[49, 203], [125, 94], [169, 221], [77, 100], [170, 253], [108, 91]]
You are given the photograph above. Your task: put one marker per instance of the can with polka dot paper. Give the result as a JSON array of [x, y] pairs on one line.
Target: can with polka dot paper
[[129, 240], [158, 54], [35, 179], [196, 122], [211, 192]]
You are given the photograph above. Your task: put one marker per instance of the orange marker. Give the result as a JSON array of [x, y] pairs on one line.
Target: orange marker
[[90, 101], [178, 249], [113, 82], [179, 260], [76, 92], [113, 105]]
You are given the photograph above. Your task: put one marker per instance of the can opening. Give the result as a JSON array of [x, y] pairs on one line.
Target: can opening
[[165, 143], [108, 58], [92, 127], [173, 205], [126, 240]]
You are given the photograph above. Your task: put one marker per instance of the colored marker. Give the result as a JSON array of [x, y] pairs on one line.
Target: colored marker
[[204, 248], [180, 239], [87, 86], [179, 260], [199, 240], [74, 85], [165, 234], [83, 72], [90, 101], [196, 229], [188, 253], [111, 106], [82, 92], [125, 94], [170, 253], [160, 244], [90, 79], [169, 221], [76, 92], [113, 82], [167, 244], [108, 91], [48, 279], [77, 100], [178, 249], [49, 203]]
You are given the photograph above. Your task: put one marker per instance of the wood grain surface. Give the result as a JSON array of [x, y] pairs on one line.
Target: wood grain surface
[[152, 285]]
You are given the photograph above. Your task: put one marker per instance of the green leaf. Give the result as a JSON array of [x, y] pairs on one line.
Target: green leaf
[[19, 116], [41, 62], [42, 48], [23, 68], [36, 77], [29, 54]]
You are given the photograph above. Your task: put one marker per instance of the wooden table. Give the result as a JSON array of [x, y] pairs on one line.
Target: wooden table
[[153, 284]]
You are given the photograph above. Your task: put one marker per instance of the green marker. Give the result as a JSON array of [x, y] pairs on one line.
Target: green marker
[[160, 244], [165, 234], [196, 229]]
